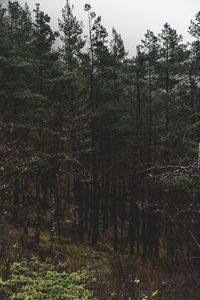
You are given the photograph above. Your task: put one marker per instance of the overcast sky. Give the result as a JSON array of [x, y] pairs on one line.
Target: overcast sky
[[131, 18]]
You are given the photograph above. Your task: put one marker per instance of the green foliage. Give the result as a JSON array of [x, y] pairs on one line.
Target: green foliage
[[33, 281], [178, 181], [92, 135], [71, 31]]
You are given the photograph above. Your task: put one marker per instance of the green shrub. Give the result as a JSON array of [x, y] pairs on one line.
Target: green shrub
[[178, 181], [34, 281]]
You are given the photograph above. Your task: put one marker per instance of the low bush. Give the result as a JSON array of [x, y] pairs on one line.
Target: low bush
[[37, 281]]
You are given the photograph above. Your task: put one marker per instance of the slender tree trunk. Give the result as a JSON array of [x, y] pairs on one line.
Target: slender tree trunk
[[38, 215], [16, 202]]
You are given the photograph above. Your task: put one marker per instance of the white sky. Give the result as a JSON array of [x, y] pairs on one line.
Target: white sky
[[131, 18]]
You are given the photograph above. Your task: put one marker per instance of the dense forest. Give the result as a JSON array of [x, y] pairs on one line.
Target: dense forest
[[99, 159]]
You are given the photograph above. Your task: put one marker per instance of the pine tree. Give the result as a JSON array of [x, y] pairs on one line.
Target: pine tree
[[170, 53]]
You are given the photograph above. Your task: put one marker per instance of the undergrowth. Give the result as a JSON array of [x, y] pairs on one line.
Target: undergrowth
[[32, 280]]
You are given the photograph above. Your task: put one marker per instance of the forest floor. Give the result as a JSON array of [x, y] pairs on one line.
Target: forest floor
[[80, 271]]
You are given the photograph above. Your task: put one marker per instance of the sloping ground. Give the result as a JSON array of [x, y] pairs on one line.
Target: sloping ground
[[78, 271]]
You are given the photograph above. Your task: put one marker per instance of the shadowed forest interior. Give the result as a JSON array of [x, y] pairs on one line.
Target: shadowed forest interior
[[99, 160]]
